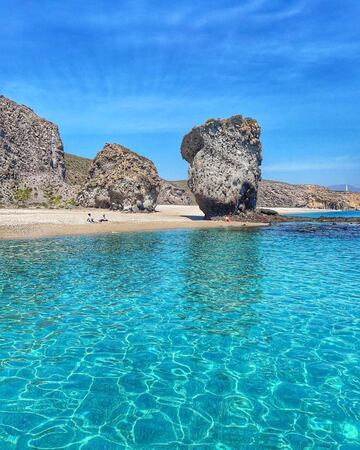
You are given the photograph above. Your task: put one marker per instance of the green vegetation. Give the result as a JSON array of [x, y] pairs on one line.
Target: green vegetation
[[210, 120], [71, 203], [22, 195], [55, 201]]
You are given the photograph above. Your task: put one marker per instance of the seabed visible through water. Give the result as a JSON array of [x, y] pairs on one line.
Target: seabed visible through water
[[204, 339]]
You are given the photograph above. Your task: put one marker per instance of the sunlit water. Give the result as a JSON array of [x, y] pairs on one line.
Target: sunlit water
[[207, 339], [347, 214]]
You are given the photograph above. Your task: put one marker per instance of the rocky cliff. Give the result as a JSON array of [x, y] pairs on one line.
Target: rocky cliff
[[277, 194], [32, 166], [272, 194], [224, 157], [173, 194], [122, 180]]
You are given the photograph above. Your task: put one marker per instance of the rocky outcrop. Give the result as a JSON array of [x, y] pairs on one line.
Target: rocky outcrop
[[224, 157], [32, 167], [121, 180], [278, 194], [171, 194]]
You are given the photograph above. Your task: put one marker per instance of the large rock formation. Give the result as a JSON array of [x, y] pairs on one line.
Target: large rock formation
[[32, 167], [173, 194], [278, 194], [224, 157], [121, 180]]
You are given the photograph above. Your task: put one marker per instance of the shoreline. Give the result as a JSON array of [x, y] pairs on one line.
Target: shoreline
[[50, 230], [36, 223], [42, 223]]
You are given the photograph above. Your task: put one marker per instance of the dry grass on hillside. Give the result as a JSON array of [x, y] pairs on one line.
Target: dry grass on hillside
[[77, 169]]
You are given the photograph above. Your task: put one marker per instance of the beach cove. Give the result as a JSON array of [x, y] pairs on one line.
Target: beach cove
[[32, 223], [36, 223]]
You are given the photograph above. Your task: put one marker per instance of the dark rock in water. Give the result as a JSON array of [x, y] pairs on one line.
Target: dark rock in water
[[170, 194], [32, 166], [122, 180], [249, 216], [261, 217], [224, 157], [268, 212]]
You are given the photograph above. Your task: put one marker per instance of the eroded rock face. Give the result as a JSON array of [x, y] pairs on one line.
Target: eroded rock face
[[122, 180], [224, 157], [32, 167], [278, 194], [170, 194]]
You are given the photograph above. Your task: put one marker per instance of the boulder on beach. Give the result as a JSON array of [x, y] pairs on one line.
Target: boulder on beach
[[120, 179], [32, 166], [224, 157]]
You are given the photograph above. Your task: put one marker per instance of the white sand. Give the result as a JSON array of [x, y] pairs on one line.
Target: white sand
[[79, 216], [30, 223]]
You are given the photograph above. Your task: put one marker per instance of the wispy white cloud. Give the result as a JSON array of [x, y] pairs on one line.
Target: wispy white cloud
[[251, 10]]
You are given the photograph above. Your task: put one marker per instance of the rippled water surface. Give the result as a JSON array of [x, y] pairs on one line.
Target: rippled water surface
[[348, 214], [206, 339]]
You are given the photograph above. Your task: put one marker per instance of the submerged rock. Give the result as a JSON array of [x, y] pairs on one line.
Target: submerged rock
[[120, 179], [32, 166], [224, 157]]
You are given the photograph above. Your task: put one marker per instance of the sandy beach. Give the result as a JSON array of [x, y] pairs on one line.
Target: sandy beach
[[35, 223]]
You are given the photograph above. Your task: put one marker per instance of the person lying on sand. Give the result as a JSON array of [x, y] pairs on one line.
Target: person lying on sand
[[103, 219], [90, 218]]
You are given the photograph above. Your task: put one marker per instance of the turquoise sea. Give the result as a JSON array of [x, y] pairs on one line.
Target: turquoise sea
[[187, 339], [328, 214]]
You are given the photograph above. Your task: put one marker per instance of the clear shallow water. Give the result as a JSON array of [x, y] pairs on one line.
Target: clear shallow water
[[182, 339], [328, 214]]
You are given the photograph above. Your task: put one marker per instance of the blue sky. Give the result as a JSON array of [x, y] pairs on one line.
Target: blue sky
[[143, 72]]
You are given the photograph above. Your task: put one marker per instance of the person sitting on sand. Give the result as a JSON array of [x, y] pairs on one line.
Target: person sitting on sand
[[103, 219], [90, 218]]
